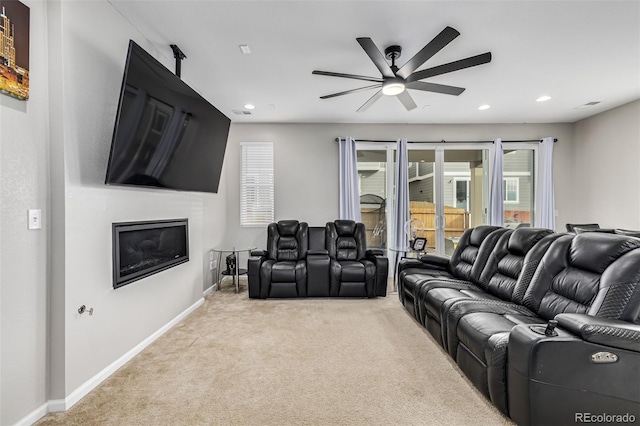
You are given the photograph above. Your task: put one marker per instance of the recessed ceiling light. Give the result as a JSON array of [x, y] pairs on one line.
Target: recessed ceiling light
[[249, 106], [244, 48], [544, 98], [483, 107]]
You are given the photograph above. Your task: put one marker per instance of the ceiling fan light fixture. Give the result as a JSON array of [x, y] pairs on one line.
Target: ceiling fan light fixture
[[392, 87]]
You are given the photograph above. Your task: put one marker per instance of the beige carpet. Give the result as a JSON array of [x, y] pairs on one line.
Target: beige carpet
[[236, 361]]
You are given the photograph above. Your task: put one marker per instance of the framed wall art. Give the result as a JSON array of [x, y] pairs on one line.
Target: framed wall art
[[14, 49]]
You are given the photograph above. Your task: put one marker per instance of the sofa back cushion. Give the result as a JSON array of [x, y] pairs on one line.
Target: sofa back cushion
[[506, 262], [287, 240], [473, 250], [619, 291], [573, 270], [345, 240]]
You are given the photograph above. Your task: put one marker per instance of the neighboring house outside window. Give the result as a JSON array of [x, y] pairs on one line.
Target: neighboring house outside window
[[511, 190], [256, 184]]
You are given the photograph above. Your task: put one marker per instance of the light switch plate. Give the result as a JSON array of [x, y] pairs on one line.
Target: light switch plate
[[34, 219]]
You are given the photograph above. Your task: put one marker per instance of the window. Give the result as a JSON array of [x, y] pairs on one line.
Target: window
[[256, 184], [510, 190]]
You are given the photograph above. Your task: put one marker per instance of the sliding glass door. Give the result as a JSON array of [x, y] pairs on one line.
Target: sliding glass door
[[448, 190]]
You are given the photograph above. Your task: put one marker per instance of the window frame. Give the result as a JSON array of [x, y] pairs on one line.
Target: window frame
[[264, 179], [505, 180]]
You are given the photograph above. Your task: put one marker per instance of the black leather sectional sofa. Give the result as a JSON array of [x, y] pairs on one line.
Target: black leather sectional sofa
[[545, 325], [328, 261]]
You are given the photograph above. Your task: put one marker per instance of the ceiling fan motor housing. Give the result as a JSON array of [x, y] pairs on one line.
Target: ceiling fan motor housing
[[393, 52]]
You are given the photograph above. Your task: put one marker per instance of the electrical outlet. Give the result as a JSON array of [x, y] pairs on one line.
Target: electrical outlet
[[35, 219], [211, 255]]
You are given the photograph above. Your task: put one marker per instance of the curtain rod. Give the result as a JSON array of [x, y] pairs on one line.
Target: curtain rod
[[451, 142]]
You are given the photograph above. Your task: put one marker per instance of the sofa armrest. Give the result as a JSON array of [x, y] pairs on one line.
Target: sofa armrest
[[254, 263], [374, 252], [318, 278], [435, 262], [602, 331], [317, 252]]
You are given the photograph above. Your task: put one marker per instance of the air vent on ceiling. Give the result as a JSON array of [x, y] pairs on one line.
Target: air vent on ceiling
[[241, 112], [588, 104]]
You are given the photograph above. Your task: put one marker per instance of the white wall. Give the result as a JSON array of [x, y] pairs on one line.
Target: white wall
[[306, 165], [94, 44], [606, 172], [54, 151], [24, 173]]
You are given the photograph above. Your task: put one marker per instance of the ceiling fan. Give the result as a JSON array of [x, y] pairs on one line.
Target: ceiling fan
[[395, 80]]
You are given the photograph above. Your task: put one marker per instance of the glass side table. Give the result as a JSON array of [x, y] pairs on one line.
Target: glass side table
[[234, 272]]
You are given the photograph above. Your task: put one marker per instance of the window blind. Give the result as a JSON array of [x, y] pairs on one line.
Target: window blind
[[257, 184]]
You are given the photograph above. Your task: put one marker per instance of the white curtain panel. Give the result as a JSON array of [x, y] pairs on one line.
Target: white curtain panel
[[545, 204], [496, 196], [349, 189], [400, 237]]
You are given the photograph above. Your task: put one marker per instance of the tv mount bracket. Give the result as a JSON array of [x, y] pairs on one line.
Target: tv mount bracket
[[179, 55]]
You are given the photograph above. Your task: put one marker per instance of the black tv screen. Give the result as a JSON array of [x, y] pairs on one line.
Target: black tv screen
[[166, 135]]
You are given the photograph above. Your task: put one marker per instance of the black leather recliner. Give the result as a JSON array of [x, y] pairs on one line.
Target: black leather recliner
[[501, 278], [327, 261], [354, 270], [281, 270], [591, 273], [466, 264]]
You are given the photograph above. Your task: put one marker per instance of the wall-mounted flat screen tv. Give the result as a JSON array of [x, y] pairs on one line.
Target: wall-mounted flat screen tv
[[166, 135]]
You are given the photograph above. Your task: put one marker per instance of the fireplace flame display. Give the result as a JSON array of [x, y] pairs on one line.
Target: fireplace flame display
[[146, 248]]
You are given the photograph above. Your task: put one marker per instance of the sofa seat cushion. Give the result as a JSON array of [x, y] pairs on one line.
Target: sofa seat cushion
[[475, 329], [284, 272], [436, 298], [352, 271], [413, 283]]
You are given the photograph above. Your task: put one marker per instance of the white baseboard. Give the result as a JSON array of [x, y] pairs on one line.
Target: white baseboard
[[211, 289], [34, 416], [64, 404]]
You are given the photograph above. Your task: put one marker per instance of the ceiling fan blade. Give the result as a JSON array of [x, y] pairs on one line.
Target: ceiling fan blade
[[371, 101], [445, 37], [376, 56], [407, 100], [355, 77], [471, 61], [433, 87], [346, 92]]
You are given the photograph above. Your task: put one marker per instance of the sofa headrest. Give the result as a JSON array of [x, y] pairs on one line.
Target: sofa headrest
[[479, 233], [595, 251], [345, 227], [627, 232], [288, 227], [523, 239]]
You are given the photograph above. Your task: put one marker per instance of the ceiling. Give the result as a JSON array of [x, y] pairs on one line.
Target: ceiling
[[577, 52]]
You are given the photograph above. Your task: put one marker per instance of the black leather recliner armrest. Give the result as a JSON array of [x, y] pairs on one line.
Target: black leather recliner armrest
[[318, 279], [317, 252], [602, 331], [253, 272], [374, 252], [438, 262]]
